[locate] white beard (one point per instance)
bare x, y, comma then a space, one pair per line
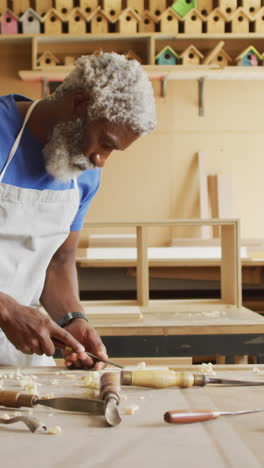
63, 153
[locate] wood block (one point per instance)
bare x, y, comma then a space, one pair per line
169, 21
99, 22
147, 23
193, 22
76, 21
128, 21
216, 22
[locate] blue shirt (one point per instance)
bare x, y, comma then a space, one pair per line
27, 169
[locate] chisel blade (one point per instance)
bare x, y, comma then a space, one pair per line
112, 415
81, 405
232, 382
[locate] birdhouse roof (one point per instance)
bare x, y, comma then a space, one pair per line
164, 50
102, 13
148, 14
192, 48
48, 54
129, 11
53, 12
255, 15
248, 50
31, 12
77, 11
218, 11
170, 11
193, 11
240, 12
9, 13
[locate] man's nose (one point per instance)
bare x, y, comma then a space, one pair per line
99, 159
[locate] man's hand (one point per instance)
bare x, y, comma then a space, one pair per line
92, 342
30, 331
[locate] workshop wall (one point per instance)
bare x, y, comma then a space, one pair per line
157, 177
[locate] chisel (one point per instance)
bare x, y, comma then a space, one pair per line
109, 393
168, 378
184, 417
82, 405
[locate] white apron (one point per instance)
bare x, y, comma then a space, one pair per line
33, 224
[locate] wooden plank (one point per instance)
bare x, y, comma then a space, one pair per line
142, 266
231, 268
206, 231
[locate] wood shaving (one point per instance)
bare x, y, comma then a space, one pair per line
141, 366
131, 409
207, 368
54, 430
17, 413
5, 416
91, 380
47, 396
258, 371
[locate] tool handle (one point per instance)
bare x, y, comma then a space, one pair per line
157, 379
110, 386
16, 399
183, 417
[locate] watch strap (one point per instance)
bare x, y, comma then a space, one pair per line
67, 318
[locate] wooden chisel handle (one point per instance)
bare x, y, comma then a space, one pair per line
183, 417
110, 386
161, 379
16, 399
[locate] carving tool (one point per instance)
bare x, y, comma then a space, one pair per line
184, 417
168, 378
82, 405
109, 393
60, 345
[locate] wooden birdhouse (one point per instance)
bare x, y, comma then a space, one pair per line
251, 6
112, 8
191, 56
3, 6
53, 22
30, 21
193, 22
217, 56
216, 22
182, 7
167, 56
43, 6
157, 7
77, 21
240, 21
88, 6
227, 6
99, 22
9, 22
147, 23
249, 57
128, 21
205, 6
20, 7
64, 7
137, 5
169, 21
131, 55
47, 59
259, 21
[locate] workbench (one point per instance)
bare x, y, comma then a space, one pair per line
142, 439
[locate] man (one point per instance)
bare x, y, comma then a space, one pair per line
51, 155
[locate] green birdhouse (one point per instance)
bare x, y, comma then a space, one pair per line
167, 56
183, 6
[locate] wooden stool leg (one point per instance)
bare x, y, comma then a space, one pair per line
240, 359
220, 359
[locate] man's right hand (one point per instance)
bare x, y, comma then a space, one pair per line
30, 331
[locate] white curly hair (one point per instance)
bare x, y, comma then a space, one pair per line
119, 90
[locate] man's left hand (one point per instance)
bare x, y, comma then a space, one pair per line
89, 338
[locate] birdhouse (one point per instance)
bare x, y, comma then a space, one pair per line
205, 6
30, 21
216, 22
221, 58
47, 59
20, 7
99, 22
88, 6
182, 7
227, 6
147, 23
137, 5
131, 55
3, 6
157, 7
169, 21
9, 22
251, 7
64, 7
259, 21
249, 57
69, 60
167, 56
193, 22
53, 22
128, 21
43, 6
191, 56
240, 21
112, 8
76, 21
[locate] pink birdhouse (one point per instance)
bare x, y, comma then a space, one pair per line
9, 23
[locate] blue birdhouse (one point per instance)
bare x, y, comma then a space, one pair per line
167, 56
249, 57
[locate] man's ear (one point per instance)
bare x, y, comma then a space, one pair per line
79, 104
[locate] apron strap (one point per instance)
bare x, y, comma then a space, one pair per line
18, 138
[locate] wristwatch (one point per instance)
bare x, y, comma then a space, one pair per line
67, 318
